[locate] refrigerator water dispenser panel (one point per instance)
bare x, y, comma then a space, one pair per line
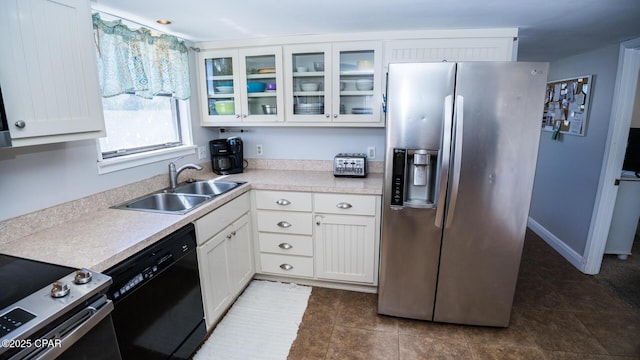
414, 178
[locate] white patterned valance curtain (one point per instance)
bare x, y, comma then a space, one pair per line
136, 61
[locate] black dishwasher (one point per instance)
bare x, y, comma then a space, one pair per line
158, 302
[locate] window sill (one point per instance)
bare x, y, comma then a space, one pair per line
134, 160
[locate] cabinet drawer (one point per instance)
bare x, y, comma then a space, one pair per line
286, 244
285, 222
287, 265
283, 200
211, 224
344, 204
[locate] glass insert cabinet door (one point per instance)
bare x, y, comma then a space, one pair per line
242, 85
333, 82
307, 71
262, 99
223, 92
357, 83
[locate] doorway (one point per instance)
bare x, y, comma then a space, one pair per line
621, 115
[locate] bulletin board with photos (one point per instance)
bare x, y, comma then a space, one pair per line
566, 105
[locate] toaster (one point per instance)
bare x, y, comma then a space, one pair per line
350, 165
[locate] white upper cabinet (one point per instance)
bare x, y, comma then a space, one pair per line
333, 80
334, 83
241, 86
48, 71
357, 82
262, 96
307, 73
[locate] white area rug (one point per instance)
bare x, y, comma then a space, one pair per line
262, 324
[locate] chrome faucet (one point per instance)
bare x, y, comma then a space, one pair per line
173, 173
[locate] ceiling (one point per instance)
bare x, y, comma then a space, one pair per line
548, 29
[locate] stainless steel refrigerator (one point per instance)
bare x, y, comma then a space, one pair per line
461, 151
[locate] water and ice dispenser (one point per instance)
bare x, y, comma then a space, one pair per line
414, 177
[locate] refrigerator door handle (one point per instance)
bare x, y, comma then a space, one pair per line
457, 158
446, 152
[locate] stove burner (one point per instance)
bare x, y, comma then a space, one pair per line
22, 277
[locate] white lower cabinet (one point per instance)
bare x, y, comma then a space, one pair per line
328, 237
285, 233
347, 237
345, 248
225, 256
214, 277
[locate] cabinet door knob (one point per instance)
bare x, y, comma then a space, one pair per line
228, 236
233, 233
286, 267
328, 115
335, 116
284, 224
343, 205
283, 202
20, 124
285, 246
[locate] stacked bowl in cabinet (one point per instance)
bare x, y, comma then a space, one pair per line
285, 232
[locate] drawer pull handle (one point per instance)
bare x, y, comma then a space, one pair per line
286, 267
285, 246
283, 202
284, 224
343, 205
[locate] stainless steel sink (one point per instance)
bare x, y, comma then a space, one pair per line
167, 202
206, 187
185, 197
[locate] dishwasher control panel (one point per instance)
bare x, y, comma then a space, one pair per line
151, 262
138, 279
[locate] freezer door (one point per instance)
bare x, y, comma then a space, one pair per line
411, 236
409, 263
498, 109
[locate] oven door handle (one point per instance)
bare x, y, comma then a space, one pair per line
71, 330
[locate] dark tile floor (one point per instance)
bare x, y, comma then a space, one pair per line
558, 313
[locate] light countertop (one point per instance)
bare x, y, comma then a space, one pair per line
99, 239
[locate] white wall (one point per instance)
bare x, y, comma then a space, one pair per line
568, 170
310, 143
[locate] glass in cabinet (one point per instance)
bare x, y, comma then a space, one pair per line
357, 82
241, 85
262, 99
221, 90
307, 72
333, 83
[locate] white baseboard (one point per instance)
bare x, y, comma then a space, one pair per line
558, 245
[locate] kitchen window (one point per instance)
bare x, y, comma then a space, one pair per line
144, 80
141, 131
136, 125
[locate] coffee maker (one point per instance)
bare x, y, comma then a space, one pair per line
226, 155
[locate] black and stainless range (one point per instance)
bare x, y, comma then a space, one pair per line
49, 311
